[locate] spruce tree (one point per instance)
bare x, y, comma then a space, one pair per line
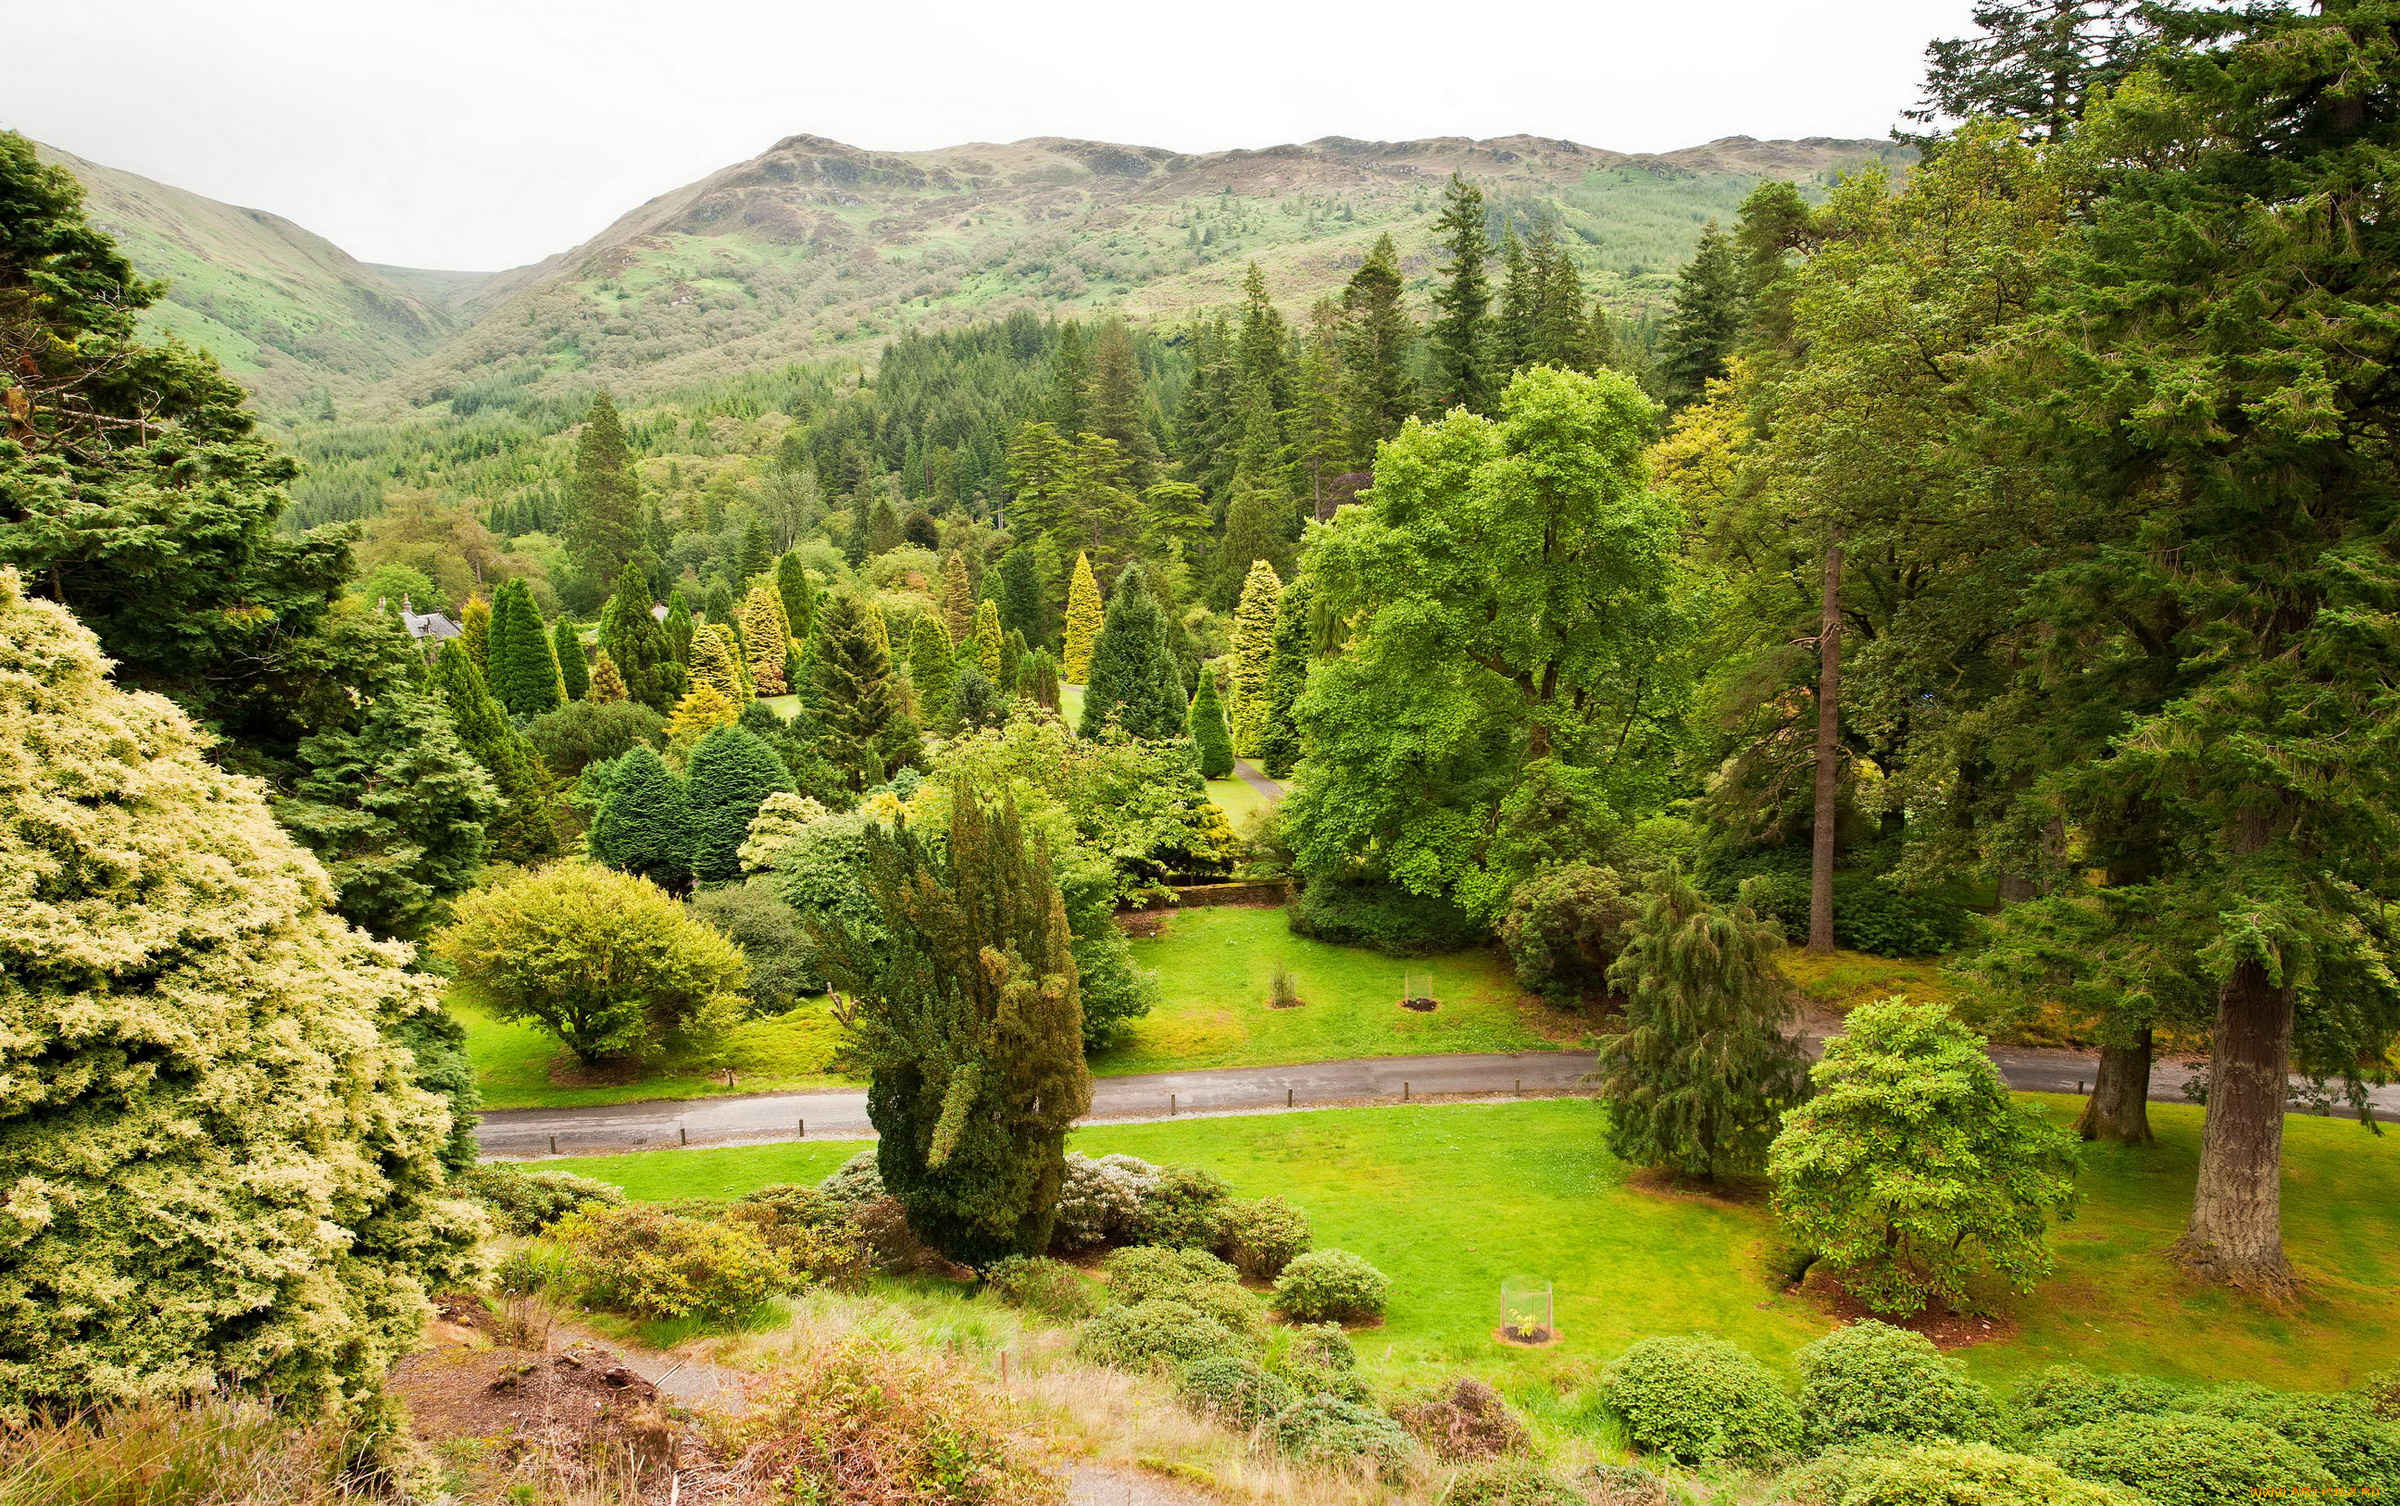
958, 598
1120, 406
635, 641
730, 774
1253, 653
644, 824
1703, 1072
1020, 595
1705, 320
679, 625
1461, 333
1134, 682
932, 669
799, 595
974, 702
968, 1016
607, 684
1287, 676
1084, 617
522, 831
987, 640
1205, 725
1561, 333
868, 734
2037, 62
1070, 383
1379, 389
757, 558
1520, 299
765, 639
574, 671
605, 525
883, 528
524, 672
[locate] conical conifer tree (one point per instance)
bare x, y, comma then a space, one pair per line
958, 598
714, 664
703, 709
679, 626
799, 596
1084, 617
1703, 1072
988, 641
633, 638
604, 506
932, 669
607, 684
1378, 340
1461, 333
766, 637
1253, 650
1705, 320
868, 734
1287, 676
574, 671
1206, 726
523, 831
475, 631
1512, 332
730, 774
1134, 682
524, 672
644, 826
1020, 596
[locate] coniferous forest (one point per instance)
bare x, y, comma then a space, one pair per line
1768, 767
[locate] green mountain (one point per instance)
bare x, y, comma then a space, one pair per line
812, 244
290, 313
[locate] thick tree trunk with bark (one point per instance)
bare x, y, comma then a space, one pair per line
1829, 736
2119, 1109
2236, 1233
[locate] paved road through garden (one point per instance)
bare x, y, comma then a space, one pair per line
841, 1115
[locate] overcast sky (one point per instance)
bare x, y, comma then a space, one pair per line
479, 134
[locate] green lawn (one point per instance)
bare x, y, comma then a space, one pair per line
514, 1061
1215, 973
1236, 799
785, 706
1451, 1200
1070, 703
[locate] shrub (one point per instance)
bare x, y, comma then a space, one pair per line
1331, 1286
1381, 916
861, 1423
1184, 1209
650, 1263
1038, 1284
783, 962
1142, 1271
1564, 928
1874, 914
1973, 1474
1466, 1421
795, 1204
1873, 1379
1331, 1430
1320, 1360
2381, 1393
1230, 1305
582, 733
208, 1451
1263, 1234
1153, 1334
1621, 1485
883, 1224
2359, 1449
857, 1180
1700, 1400
527, 1202
1511, 1482
1100, 1200
2181, 1459
818, 1244
2068, 1396
1235, 1391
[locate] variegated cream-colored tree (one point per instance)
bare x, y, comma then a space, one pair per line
216, 1169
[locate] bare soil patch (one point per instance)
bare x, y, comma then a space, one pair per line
1948, 1328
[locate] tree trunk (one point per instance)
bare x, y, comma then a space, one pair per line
1829, 729
2236, 1233
2119, 1109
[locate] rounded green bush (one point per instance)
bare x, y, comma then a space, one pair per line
856, 1181
1184, 1209
1237, 1392
2068, 1396
2184, 1459
795, 1204
2381, 1393
527, 1202
1320, 1358
1331, 1286
650, 1263
2360, 1450
1700, 1400
1155, 1333
1141, 1271
1263, 1234
1873, 1379
1324, 1429
1968, 1474
1039, 1284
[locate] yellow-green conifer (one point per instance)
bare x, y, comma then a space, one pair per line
1084, 616
1253, 655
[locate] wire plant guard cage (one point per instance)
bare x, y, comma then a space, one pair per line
1525, 1311
1416, 992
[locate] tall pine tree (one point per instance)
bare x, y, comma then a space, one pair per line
1461, 333
605, 525
1705, 321
1134, 682
1379, 388
637, 644
868, 734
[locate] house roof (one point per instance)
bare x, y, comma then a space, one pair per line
430, 626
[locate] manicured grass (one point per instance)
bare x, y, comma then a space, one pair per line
1236, 799
515, 1062
1215, 973
785, 706
1840, 981
1070, 703
1452, 1200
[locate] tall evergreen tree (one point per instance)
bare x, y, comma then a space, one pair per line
799, 595
2037, 62
958, 597
1120, 407
1461, 333
1705, 321
475, 631
605, 525
636, 643
1212, 741
987, 640
644, 824
1084, 617
1559, 333
1520, 300
730, 774
679, 625
883, 528
523, 830
1703, 1072
766, 638
1134, 682
524, 671
1379, 389
1287, 676
1070, 410
757, 558
968, 1015
1020, 595
932, 669
607, 684
868, 734
574, 670
1253, 651
716, 664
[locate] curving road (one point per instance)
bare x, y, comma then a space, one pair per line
770, 1117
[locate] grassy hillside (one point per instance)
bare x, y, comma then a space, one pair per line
289, 313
